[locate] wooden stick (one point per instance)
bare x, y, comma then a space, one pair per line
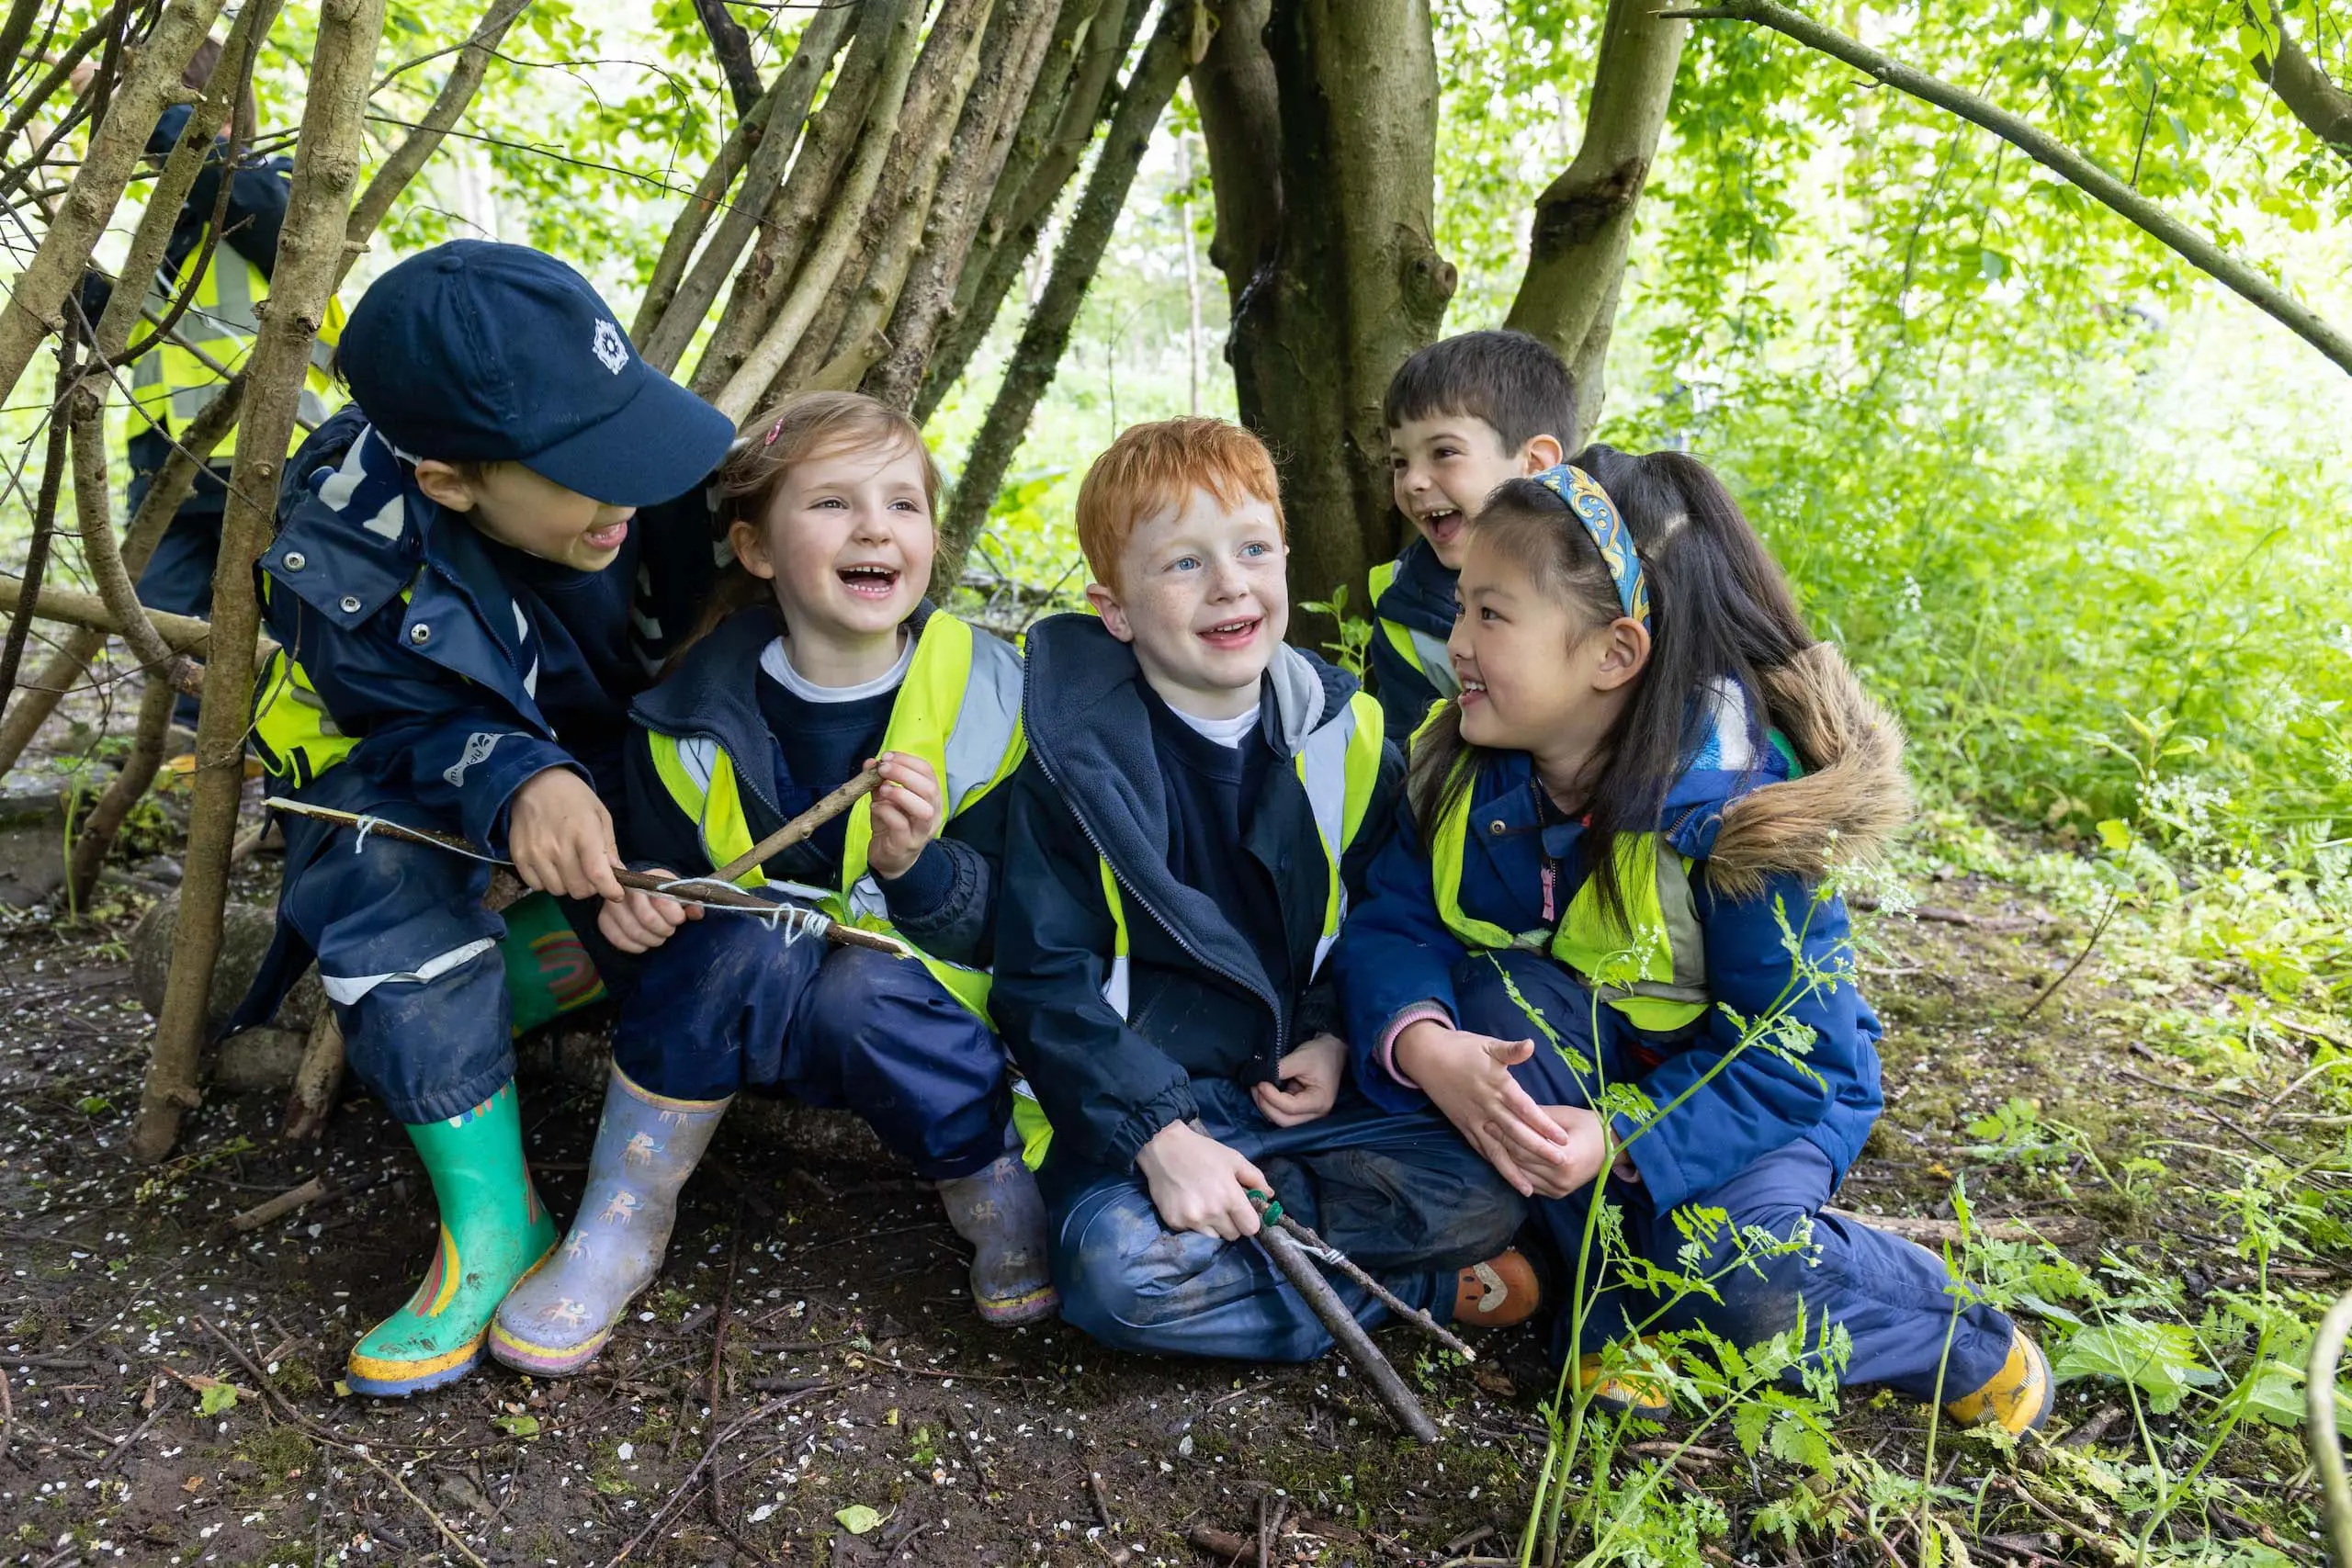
866, 782
318, 1080
1324, 1303
1380, 1292
707, 891
277, 1207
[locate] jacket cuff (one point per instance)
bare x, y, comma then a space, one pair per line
1653, 1157
1175, 1104
1428, 1011
929, 882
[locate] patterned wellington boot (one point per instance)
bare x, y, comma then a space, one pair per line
999, 1210
560, 1316
494, 1228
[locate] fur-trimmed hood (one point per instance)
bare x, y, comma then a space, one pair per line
1842, 809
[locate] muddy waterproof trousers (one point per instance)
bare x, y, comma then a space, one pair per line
1894, 1299
1403, 1195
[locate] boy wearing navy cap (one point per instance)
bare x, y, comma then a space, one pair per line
467, 599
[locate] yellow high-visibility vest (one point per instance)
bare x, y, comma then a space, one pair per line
170, 384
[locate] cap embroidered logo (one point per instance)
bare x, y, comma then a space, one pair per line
611, 348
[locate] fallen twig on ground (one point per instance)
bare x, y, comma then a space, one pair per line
285, 1203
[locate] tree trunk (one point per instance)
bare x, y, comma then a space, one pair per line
1047, 336
1584, 220
2325, 108
1333, 277
310, 259
100, 830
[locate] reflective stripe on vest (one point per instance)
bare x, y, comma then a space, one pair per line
1415, 648
1338, 767
1656, 972
171, 383
958, 709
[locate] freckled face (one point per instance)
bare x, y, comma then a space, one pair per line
1203, 599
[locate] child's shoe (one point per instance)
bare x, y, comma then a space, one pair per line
494, 1228
998, 1210
646, 1145
1627, 1389
2016, 1398
1498, 1294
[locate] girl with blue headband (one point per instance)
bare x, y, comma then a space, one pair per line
1604, 941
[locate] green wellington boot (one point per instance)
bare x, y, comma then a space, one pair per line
494, 1230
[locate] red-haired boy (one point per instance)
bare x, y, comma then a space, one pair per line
1198, 801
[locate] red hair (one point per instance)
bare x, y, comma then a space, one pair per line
1151, 469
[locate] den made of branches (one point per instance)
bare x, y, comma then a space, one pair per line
887, 187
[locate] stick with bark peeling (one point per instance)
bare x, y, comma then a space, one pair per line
1410, 1314
865, 783
706, 891
1305, 1277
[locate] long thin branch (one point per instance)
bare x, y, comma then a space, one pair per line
456, 92
2110, 192
53, 471
103, 824
1079, 255
312, 252
733, 47
85, 412
69, 606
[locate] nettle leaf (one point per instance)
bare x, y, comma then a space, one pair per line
2158, 1359
216, 1398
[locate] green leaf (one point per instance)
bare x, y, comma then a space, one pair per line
2158, 1359
2115, 833
857, 1518
517, 1426
216, 1398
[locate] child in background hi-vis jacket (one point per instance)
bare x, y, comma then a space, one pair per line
822, 653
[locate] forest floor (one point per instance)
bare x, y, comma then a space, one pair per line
852, 1376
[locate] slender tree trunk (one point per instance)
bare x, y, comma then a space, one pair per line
733, 47
103, 825
449, 106
1330, 264
310, 259
1047, 336
1584, 220
36, 295
2325, 108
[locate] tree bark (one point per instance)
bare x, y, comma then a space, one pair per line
686, 228
38, 294
52, 472
310, 254
1584, 220
975, 165
865, 285
749, 384
790, 216
2325, 108
86, 414
2193, 247
1039, 166
69, 606
733, 47
1047, 336
1335, 280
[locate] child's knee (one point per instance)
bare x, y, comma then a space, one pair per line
1124, 1276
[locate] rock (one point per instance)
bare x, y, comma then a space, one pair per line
245, 930
32, 846
258, 1060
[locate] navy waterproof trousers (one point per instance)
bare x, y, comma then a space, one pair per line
1402, 1195
1894, 1299
726, 1004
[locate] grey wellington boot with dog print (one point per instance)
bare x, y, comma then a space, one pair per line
559, 1315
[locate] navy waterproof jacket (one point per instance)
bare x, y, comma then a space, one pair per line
1760, 842
439, 687
1199, 1002
945, 906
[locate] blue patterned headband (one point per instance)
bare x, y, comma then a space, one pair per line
1598, 515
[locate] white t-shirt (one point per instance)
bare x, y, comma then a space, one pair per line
776, 664
1226, 732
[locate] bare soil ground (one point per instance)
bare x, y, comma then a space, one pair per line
809, 1350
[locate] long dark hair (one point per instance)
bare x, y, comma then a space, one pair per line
1720, 610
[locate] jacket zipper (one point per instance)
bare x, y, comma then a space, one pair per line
1282, 1030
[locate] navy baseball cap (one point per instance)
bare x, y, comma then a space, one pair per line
475, 351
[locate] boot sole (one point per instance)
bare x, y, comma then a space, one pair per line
387, 1381
540, 1361
1034, 1307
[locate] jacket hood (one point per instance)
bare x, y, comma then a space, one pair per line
1421, 593
1847, 805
